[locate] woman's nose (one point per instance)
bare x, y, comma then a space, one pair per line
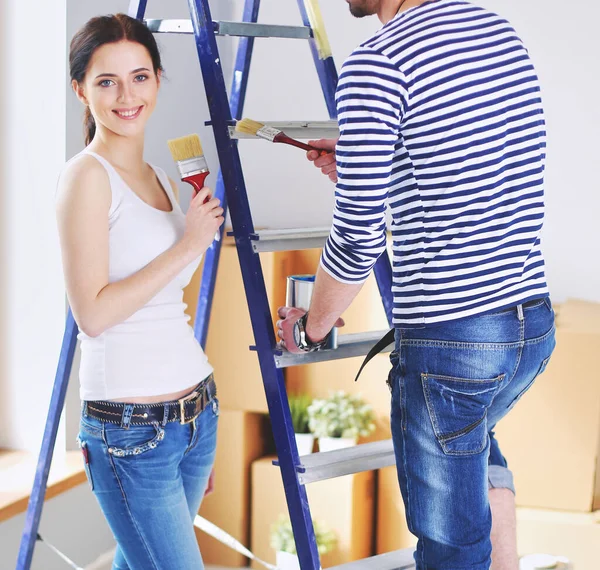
125, 93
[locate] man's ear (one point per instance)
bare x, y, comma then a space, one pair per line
78, 89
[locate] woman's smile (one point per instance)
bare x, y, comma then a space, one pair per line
128, 114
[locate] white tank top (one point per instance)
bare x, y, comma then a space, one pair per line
154, 351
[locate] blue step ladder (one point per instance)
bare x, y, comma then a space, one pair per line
296, 471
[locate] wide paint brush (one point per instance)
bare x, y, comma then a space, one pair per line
193, 168
187, 153
254, 128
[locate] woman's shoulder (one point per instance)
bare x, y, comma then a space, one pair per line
84, 178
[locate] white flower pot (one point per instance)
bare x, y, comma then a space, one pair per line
332, 443
287, 561
305, 443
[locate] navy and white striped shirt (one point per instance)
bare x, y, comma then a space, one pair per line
441, 120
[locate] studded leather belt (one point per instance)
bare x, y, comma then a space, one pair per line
185, 410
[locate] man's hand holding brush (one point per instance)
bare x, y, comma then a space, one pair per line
327, 162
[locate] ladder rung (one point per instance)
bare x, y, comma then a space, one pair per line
349, 345
355, 459
243, 29
297, 130
290, 239
398, 560
251, 30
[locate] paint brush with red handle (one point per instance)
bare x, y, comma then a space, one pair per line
193, 168
254, 128
187, 153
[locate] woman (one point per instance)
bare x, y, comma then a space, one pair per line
149, 415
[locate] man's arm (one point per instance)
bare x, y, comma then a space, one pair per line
371, 101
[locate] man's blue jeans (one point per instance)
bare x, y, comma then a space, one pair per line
451, 384
151, 492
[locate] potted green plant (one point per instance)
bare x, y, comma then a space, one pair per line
339, 420
305, 440
282, 541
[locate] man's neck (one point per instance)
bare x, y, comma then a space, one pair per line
390, 8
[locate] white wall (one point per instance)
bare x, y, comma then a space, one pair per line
33, 141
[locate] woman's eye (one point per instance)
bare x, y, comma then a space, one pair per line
140, 78
105, 83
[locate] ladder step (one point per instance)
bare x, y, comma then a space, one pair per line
355, 459
289, 239
297, 130
349, 345
242, 29
399, 560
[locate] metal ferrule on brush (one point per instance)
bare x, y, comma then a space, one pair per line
192, 166
268, 133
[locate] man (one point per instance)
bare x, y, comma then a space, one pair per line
441, 122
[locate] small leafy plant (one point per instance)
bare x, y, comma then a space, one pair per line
341, 415
299, 408
282, 537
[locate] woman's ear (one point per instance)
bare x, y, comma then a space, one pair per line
158, 77
78, 89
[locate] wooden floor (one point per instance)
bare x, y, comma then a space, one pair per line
17, 471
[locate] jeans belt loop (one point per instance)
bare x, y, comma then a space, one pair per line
520, 312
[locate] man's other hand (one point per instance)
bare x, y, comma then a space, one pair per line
285, 328
326, 163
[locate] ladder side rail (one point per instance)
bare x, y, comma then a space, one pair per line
239, 85
253, 280
384, 278
326, 70
137, 9
57, 402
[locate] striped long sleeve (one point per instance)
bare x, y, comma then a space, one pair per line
370, 101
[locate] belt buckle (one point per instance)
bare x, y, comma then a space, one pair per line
182, 402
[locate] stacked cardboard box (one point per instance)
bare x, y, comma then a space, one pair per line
575, 536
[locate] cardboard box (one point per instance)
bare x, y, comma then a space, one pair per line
573, 535
346, 505
551, 439
392, 530
365, 314
230, 334
242, 438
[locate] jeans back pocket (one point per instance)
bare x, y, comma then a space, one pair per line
458, 409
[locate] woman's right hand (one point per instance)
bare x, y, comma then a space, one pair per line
203, 219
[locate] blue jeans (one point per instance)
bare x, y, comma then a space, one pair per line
451, 384
151, 492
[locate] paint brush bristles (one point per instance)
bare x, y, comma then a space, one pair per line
185, 148
249, 127
187, 153
260, 130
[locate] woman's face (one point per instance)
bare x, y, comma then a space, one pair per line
120, 87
